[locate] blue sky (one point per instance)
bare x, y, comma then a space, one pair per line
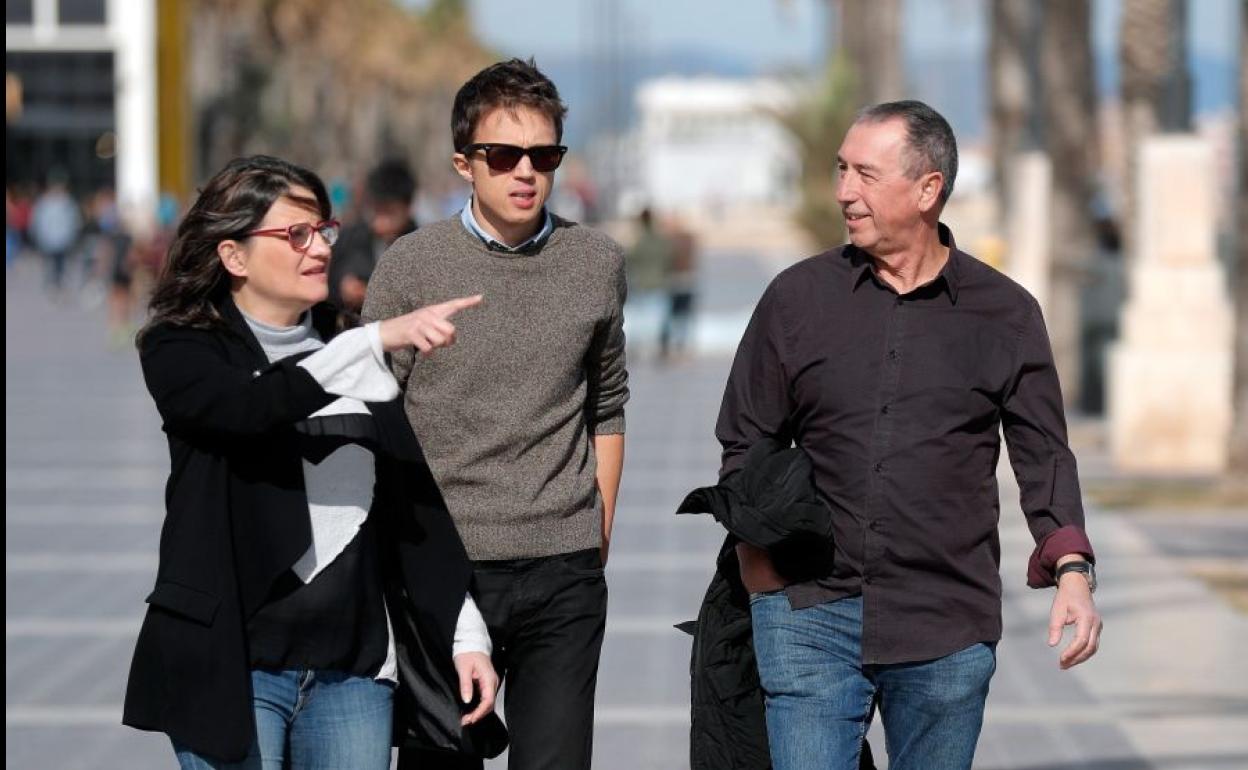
777, 33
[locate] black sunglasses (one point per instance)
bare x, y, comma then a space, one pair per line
505, 157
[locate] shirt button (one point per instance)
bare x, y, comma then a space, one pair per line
884, 409
892, 354
879, 468
900, 301
874, 526
866, 579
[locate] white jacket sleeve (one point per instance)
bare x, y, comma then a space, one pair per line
353, 365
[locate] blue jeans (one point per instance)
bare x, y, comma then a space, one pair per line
819, 695
312, 720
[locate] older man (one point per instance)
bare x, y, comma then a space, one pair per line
894, 361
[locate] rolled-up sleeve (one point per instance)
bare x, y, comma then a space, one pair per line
757, 399
606, 369
1034, 424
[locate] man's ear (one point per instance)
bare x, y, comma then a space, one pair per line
929, 190
233, 258
462, 166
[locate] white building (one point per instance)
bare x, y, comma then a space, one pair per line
81, 79
710, 143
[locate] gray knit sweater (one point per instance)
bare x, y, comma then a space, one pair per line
505, 414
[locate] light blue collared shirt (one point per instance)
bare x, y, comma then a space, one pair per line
470, 224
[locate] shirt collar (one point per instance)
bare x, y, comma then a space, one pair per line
864, 267
471, 225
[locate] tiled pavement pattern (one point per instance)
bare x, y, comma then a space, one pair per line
85, 463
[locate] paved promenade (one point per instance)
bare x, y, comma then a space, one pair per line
85, 463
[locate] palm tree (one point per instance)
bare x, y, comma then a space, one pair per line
1150, 53
818, 123
1239, 430
1068, 104
869, 36
334, 86
1012, 82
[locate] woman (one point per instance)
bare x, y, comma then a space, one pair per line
307, 565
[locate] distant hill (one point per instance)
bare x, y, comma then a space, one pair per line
955, 84
585, 83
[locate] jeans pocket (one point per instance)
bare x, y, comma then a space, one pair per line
758, 596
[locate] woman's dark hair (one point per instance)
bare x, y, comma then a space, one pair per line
507, 84
193, 283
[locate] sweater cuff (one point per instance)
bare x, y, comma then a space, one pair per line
471, 633
611, 425
1058, 543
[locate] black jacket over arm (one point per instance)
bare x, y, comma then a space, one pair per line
770, 502
237, 519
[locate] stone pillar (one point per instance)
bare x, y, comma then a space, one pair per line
1170, 371
1028, 259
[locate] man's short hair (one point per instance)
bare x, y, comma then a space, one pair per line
929, 138
508, 84
391, 180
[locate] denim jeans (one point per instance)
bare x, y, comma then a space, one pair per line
312, 720
819, 695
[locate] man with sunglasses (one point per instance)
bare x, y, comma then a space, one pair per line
523, 424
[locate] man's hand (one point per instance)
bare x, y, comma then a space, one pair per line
1073, 605
609, 451
758, 574
476, 667
428, 328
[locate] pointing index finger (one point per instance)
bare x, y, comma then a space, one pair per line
453, 306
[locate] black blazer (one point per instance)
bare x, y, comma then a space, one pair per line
237, 519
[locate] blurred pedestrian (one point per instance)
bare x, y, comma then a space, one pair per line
54, 227
389, 194
94, 243
12, 235
111, 249
895, 363
649, 264
682, 279
22, 197
524, 419
307, 563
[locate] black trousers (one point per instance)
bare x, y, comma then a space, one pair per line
546, 618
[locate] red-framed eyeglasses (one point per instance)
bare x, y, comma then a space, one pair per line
300, 234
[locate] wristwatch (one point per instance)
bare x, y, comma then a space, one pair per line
1083, 567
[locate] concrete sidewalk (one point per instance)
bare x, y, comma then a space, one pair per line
85, 463
1168, 689
1166, 692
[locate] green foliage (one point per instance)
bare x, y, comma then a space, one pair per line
818, 122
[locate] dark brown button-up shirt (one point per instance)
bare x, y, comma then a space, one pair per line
900, 401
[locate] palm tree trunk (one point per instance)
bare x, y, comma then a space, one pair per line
870, 35
1012, 82
1070, 129
1239, 429
1149, 54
